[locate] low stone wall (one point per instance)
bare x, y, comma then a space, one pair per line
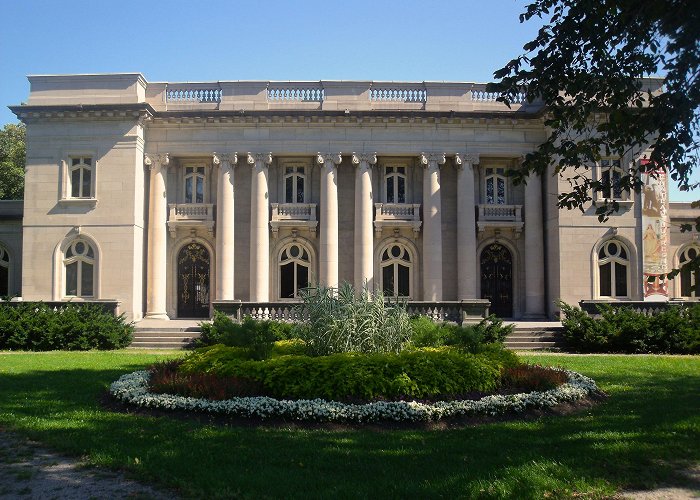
108, 306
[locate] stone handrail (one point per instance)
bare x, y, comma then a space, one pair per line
639, 306
191, 211
192, 93
495, 212
463, 311
295, 92
397, 92
293, 211
397, 211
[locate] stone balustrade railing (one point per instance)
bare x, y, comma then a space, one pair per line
464, 311
293, 211
295, 92
640, 306
189, 211
397, 211
398, 92
490, 212
192, 93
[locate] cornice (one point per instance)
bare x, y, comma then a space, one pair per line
137, 111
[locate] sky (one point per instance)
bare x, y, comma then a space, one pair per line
210, 40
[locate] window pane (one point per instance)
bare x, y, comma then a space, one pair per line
188, 190
623, 253
4, 281
75, 183
390, 189
617, 188
86, 280
289, 190
489, 190
87, 161
75, 161
501, 191
605, 180
403, 280
402, 190
300, 189
72, 279
200, 190
388, 280
620, 280
685, 281
605, 277
287, 281
302, 277
90, 253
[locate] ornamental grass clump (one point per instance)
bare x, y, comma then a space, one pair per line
345, 320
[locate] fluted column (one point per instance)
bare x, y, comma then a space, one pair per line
432, 226
466, 226
259, 228
225, 226
364, 232
534, 249
157, 238
328, 262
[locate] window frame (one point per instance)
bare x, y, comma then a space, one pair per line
495, 175
397, 176
610, 169
298, 171
394, 262
67, 169
194, 175
614, 260
80, 259
297, 261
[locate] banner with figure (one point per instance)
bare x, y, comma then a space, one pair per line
655, 233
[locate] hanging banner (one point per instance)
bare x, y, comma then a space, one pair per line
655, 233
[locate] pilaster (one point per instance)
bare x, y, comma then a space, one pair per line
364, 232
157, 237
432, 226
534, 249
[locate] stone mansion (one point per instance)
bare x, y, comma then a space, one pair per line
173, 197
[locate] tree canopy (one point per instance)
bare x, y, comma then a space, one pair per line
12, 161
588, 64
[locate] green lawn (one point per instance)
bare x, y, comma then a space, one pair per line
648, 429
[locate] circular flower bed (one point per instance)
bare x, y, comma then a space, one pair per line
133, 389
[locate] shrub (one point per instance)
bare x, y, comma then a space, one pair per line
35, 326
166, 379
533, 378
345, 321
674, 330
418, 373
470, 338
256, 337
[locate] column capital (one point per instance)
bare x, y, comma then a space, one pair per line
432, 159
369, 158
152, 160
221, 159
469, 158
256, 158
329, 158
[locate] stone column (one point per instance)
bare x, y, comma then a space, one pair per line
328, 262
259, 228
364, 232
466, 226
534, 249
157, 238
432, 226
225, 226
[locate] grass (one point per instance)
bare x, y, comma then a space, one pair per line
639, 438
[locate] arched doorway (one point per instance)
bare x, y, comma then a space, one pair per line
193, 281
497, 279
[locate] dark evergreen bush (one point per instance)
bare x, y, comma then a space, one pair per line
34, 326
675, 330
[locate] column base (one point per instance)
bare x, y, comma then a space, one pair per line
534, 317
156, 315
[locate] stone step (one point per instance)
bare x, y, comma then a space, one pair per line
531, 346
161, 333
167, 329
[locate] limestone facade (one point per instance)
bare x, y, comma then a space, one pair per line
168, 196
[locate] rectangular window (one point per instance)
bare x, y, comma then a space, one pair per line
80, 177
194, 184
611, 175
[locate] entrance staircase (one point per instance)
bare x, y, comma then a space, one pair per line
535, 336
165, 334
179, 333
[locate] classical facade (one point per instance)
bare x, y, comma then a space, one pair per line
168, 197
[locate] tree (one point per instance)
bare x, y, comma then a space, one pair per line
588, 64
12, 161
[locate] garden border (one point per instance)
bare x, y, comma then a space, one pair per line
132, 388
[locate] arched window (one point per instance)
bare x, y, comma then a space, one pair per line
4, 272
396, 267
496, 186
194, 184
294, 264
294, 184
395, 182
79, 265
690, 278
80, 175
613, 269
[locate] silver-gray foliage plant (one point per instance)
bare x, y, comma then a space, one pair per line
344, 320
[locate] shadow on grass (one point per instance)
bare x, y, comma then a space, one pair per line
639, 438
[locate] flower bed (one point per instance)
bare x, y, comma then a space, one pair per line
133, 388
